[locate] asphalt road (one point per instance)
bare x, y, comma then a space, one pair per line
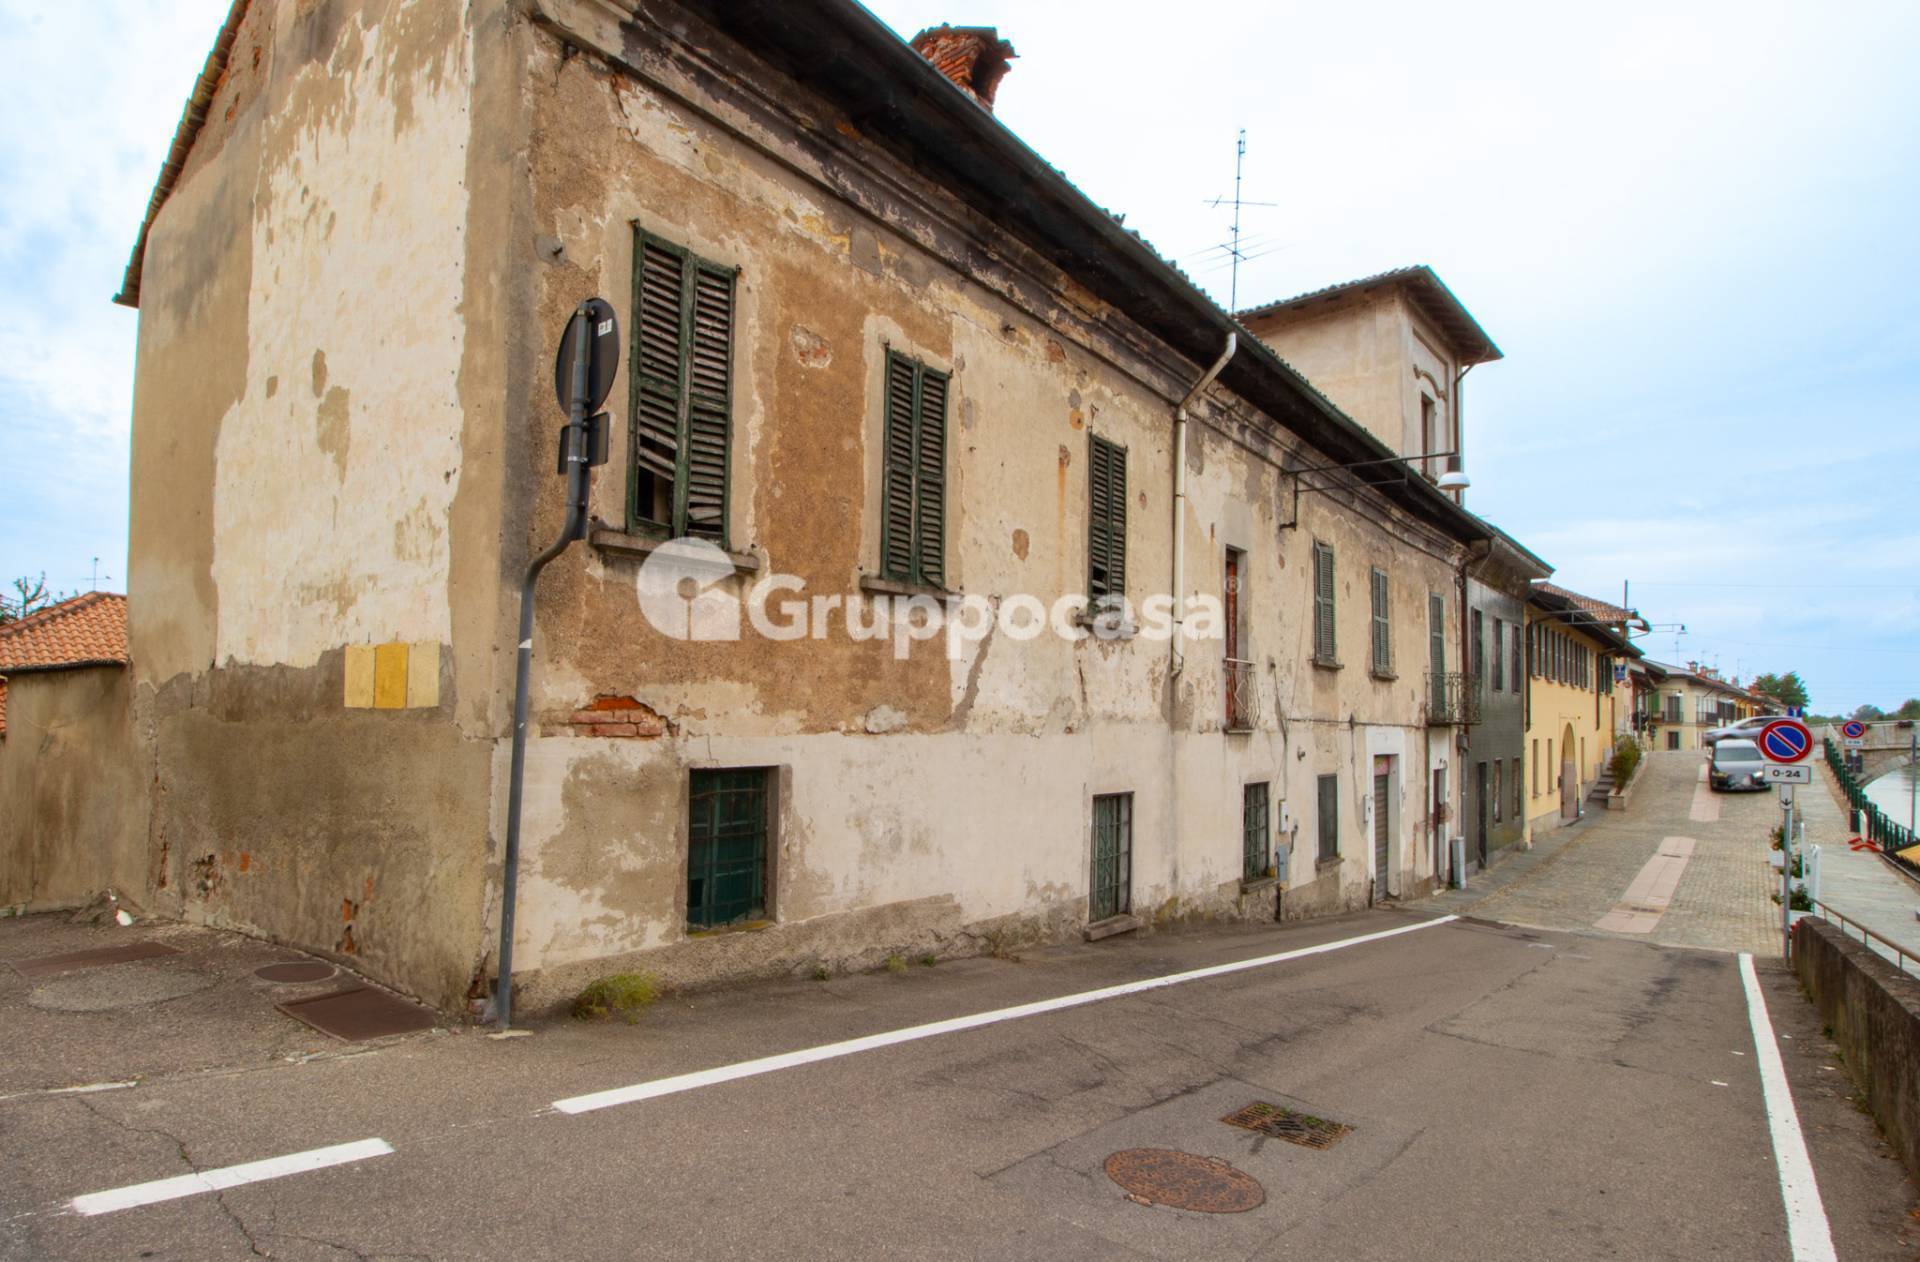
1512, 1094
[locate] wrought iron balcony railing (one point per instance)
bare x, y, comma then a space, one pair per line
1452, 697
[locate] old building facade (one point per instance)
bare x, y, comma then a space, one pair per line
886, 371
1499, 583
1573, 703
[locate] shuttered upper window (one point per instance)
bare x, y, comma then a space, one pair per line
1323, 642
681, 380
913, 523
1382, 626
1106, 518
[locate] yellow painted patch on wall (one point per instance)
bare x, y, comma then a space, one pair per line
390, 677
359, 690
423, 675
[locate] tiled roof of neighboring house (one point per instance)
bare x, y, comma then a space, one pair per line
1605, 611
1430, 295
89, 630
1566, 607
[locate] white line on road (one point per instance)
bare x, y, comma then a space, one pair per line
830, 1051
228, 1176
1807, 1231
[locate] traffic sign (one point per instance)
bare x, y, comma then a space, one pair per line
1796, 712
1777, 773
1785, 740
1853, 730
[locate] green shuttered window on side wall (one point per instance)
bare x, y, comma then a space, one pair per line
1323, 623
681, 384
1382, 625
1106, 518
913, 512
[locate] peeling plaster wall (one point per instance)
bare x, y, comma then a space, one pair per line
316, 474
923, 804
72, 798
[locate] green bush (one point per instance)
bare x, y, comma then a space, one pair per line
626, 993
1626, 757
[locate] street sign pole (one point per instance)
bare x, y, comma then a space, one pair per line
1785, 744
1786, 873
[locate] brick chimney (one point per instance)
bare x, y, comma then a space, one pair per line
975, 57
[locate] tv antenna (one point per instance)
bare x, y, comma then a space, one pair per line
1233, 248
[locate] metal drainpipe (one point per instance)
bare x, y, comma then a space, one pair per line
1180, 498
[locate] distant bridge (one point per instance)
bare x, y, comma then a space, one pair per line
1887, 746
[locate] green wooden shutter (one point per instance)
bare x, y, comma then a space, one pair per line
896, 520
709, 402
682, 387
1329, 817
1106, 518
1323, 622
659, 300
930, 481
1382, 628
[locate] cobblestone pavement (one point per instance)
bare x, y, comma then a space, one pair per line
1724, 896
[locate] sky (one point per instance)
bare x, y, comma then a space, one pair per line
1691, 228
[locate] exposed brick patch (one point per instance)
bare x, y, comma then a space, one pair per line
617, 717
974, 57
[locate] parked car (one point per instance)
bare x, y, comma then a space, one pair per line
1737, 764
1745, 729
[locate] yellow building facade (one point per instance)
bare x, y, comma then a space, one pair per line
1572, 707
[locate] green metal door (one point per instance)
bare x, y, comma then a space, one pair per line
1112, 883
727, 847
1254, 846
1381, 836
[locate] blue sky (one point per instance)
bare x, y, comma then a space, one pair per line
1690, 227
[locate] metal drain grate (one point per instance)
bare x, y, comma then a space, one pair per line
1296, 1128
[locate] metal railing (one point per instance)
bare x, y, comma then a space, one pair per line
1241, 695
1876, 826
1901, 958
1452, 697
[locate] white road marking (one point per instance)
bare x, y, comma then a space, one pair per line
832, 1051
1807, 1231
228, 1176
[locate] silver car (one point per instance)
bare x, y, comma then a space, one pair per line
1745, 729
1737, 764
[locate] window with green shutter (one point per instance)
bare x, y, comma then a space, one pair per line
681, 383
727, 827
1329, 821
1323, 622
913, 522
1382, 626
1256, 845
1437, 650
1499, 655
1106, 519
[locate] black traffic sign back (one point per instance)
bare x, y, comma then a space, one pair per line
596, 321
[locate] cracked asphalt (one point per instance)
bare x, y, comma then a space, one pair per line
1513, 1093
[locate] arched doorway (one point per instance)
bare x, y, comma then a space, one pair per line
1569, 776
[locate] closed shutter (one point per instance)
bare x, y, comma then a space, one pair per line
1382, 628
913, 532
709, 401
1499, 655
1323, 624
1107, 519
1329, 816
682, 387
659, 301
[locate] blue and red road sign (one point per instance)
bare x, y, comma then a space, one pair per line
1853, 730
1785, 740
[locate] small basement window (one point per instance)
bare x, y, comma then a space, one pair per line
729, 821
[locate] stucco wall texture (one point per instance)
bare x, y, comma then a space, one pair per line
343, 442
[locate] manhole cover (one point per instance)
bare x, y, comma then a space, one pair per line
1296, 1128
73, 961
1180, 1180
295, 971
359, 1012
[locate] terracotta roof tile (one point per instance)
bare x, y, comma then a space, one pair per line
1600, 609
89, 630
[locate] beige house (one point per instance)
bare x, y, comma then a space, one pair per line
1574, 702
1692, 699
885, 367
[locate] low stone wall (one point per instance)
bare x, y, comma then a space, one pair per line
1872, 1011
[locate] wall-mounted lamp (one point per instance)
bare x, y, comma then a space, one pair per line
1454, 479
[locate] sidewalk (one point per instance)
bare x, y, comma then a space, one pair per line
1858, 884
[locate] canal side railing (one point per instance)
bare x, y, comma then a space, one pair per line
1876, 826
1900, 957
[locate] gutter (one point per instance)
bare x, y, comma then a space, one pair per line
1180, 498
